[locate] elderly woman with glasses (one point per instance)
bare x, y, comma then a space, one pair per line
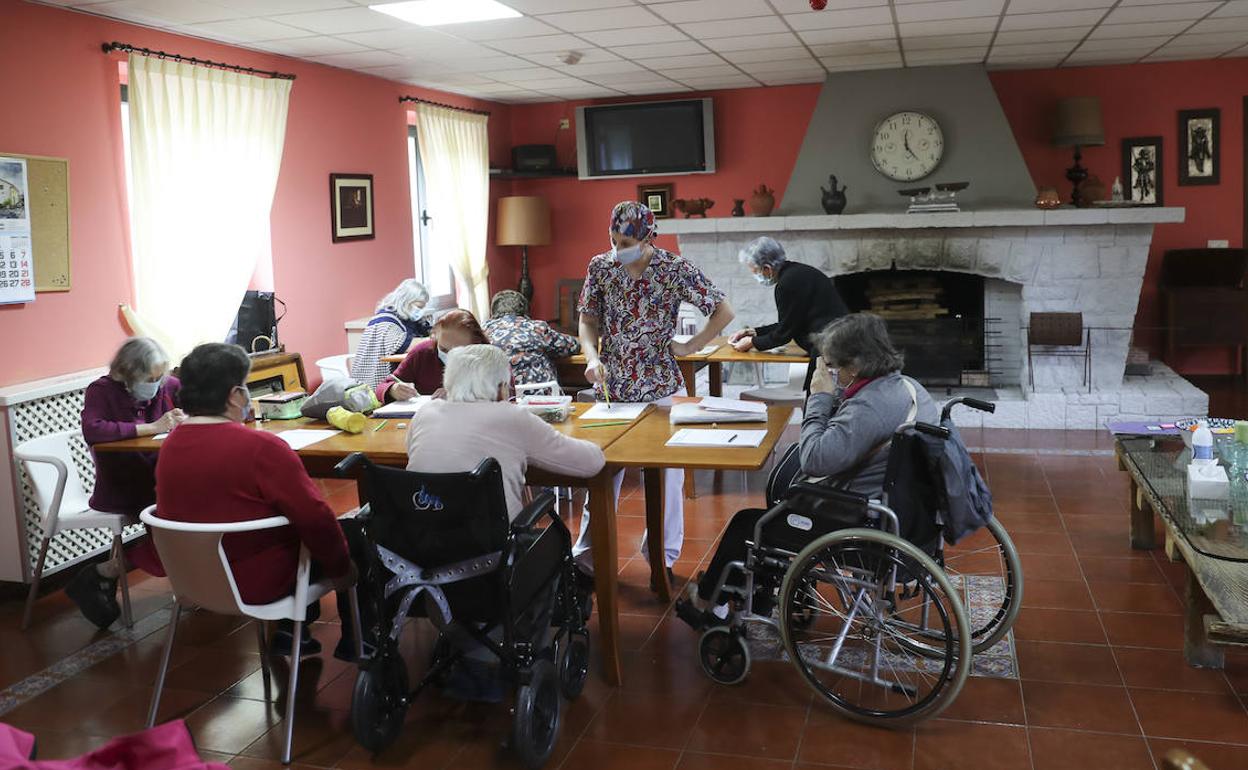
847, 426
400, 319
806, 301
532, 345
137, 397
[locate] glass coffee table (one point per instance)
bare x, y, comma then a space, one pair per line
1209, 536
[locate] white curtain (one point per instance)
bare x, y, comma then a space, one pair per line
206, 145
455, 154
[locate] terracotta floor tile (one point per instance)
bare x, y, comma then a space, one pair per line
772, 732
66, 744
694, 761
1067, 749
1167, 670
1137, 629
1113, 569
662, 673
598, 755
988, 700
1042, 542
321, 738
67, 705
1079, 707
1191, 716
1045, 625
775, 683
832, 740
1030, 522
1050, 566
1019, 485
1104, 544
230, 725
645, 720
1214, 755
1056, 594
1071, 503
437, 741
129, 715
1111, 525
1076, 663
1157, 598
1023, 503
213, 670
941, 744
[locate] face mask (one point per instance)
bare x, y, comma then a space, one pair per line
442, 355
145, 391
626, 256
764, 280
247, 413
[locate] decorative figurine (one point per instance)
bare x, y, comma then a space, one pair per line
738, 207
833, 198
693, 207
1116, 192
762, 201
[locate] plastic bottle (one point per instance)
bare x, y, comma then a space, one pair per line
1202, 443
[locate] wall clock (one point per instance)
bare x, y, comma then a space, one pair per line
907, 146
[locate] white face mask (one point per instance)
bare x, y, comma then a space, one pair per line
626, 256
146, 391
764, 279
442, 355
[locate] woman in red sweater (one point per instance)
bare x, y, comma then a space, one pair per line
421, 370
214, 468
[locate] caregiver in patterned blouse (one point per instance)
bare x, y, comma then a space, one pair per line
532, 345
628, 306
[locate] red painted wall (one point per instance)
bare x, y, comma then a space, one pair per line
62, 99
1143, 100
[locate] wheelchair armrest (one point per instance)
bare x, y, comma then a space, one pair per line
827, 493
527, 518
932, 430
343, 469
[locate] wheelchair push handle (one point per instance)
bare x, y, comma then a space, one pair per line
974, 403
932, 430
343, 469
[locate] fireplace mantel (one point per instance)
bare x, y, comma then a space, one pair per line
903, 221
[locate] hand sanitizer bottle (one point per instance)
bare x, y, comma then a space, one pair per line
1202, 443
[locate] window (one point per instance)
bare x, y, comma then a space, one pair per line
434, 272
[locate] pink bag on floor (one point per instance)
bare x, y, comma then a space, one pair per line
164, 747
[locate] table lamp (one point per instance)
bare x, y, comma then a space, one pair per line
1078, 125
524, 221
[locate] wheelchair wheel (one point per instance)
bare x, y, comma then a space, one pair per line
535, 726
574, 664
724, 655
379, 701
988, 575
866, 590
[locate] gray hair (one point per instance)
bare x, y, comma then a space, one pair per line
135, 359
407, 300
475, 373
763, 252
508, 302
859, 341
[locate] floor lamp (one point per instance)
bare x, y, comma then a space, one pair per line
524, 221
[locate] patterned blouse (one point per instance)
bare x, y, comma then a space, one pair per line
532, 345
637, 320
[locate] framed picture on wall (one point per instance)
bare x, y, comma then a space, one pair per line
351, 207
1141, 170
658, 198
1200, 134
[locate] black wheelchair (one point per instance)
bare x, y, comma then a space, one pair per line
441, 546
878, 616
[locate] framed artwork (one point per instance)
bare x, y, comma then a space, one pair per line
1200, 135
1141, 170
658, 198
351, 207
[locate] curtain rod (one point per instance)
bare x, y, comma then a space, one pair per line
115, 46
440, 104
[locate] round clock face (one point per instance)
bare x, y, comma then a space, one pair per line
907, 146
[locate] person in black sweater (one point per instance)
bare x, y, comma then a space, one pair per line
806, 301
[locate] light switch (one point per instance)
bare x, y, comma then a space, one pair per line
1219, 244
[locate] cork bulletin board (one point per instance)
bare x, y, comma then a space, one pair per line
48, 182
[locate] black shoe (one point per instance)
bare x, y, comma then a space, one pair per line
95, 595
696, 618
671, 581
345, 650
284, 640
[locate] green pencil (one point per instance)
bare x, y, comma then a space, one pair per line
380, 425
607, 424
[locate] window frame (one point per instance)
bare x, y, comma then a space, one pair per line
424, 264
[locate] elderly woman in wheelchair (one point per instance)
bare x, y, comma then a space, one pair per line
848, 561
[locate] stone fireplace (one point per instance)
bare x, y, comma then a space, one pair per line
1086, 260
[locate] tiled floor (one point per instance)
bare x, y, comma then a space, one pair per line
1103, 683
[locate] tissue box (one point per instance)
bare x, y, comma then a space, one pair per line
1207, 482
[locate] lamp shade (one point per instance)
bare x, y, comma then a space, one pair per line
1079, 122
523, 220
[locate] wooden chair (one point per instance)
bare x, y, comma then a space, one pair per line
1204, 300
567, 294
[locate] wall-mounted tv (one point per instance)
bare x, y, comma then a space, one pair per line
645, 139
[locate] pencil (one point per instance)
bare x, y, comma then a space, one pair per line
380, 425
607, 424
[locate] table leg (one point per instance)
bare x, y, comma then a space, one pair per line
715, 371
1143, 537
690, 372
606, 570
652, 479
1196, 646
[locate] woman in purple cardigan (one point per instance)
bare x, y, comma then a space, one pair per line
136, 398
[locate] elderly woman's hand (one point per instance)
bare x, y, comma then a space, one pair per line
402, 391
744, 344
823, 380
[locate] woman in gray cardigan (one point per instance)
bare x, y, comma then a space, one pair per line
848, 423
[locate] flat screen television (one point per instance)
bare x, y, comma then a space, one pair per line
645, 139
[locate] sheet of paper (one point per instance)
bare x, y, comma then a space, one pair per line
616, 411
717, 404
303, 437
406, 408
728, 439
681, 337
160, 436
692, 413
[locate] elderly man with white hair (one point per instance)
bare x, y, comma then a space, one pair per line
806, 301
476, 421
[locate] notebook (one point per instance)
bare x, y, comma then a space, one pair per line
721, 438
712, 409
407, 408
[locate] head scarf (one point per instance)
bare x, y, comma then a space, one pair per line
634, 220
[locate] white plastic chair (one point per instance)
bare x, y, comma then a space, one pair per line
790, 394
64, 505
335, 367
201, 576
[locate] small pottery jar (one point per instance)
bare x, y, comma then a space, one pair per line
1047, 198
1093, 189
738, 207
762, 201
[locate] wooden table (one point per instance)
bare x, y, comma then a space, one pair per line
1216, 615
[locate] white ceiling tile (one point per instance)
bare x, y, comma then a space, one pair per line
644, 35
946, 55
553, 83
1168, 12
584, 70
656, 88
766, 54
1233, 8
948, 9
1023, 63
319, 45
878, 32
358, 59
1221, 24
829, 19
586, 92
1042, 6
655, 50
1012, 21
247, 30
589, 56
761, 25
980, 39
754, 42
482, 63
1033, 49
499, 29
863, 67
700, 10
533, 7
684, 74
1143, 29
271, 7
613, 19
1022, 36
855, 48
168, 12
520, 74
541, 43
1194, 51
792, 79
390, 39
1211, 38
785, 65
1123, 44
884, 59
342, 21
948, 27
803, 6
711, 84
693, 60
1095, 59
